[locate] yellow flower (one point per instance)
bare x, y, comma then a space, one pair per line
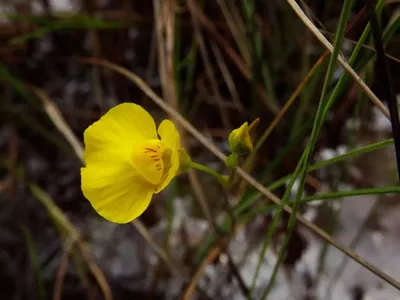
126, 162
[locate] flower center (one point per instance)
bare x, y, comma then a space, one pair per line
147, 158
152, 160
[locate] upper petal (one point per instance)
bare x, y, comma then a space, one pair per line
116, 191
173, 170
169, 135
116, 132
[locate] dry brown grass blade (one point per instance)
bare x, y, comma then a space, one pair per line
210, 74
236, 27
95, 270
210, 146
165, 24
227, 77
58, 287
202, 18
73, 236
59, 121
341, 60
240, 64
175, 269
212, 255
219, 247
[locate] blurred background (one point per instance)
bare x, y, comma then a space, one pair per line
219, 64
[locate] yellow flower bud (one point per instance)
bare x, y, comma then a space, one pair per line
240, 139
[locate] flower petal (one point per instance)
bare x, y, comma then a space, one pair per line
171, 172
169, 135
117, 131
116, 191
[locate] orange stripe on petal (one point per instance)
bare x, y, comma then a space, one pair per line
147, 160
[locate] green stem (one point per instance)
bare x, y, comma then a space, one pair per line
221, 178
